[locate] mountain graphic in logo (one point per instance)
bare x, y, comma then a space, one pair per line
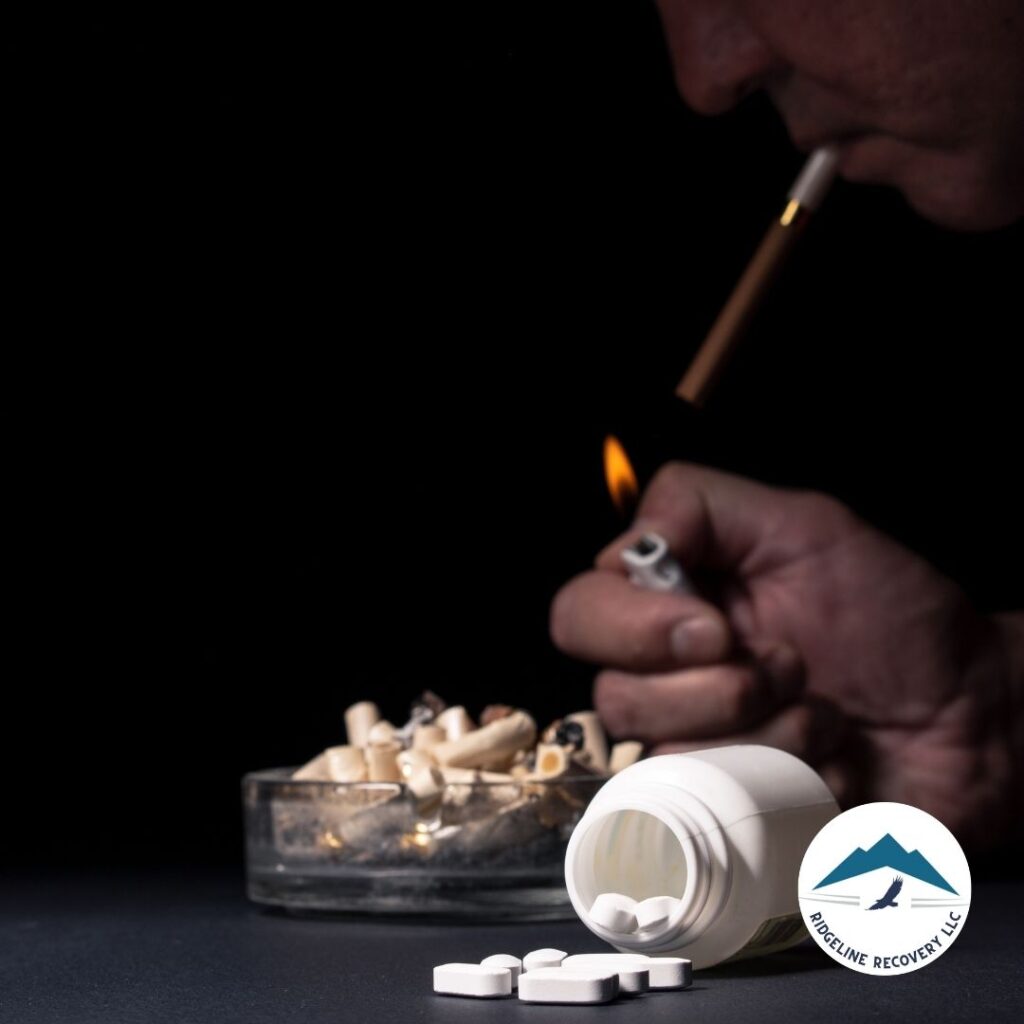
886, 853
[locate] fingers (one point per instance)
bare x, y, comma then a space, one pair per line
709, 519
603, 618
840, 778
698, 703
713, 520
812, 729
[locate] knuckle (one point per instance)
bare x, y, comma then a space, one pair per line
642, 635
672, 476
802, 724
563, 613
784, 666
823, 512
741, 694
613, 704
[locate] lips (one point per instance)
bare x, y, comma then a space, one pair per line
863, 156
839, 139
875, 160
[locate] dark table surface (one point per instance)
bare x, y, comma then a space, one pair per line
188, 948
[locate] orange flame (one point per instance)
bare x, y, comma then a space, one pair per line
618, 472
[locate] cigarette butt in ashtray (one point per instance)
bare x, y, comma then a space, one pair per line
359, 719
493, 712
335, 764
624, 754
426, 782
381, 733
652, 566
455, 722
488, 745
552, 761
410, 761
314, 770
346, 764
426, 736
594, 751
459, 776
382, 762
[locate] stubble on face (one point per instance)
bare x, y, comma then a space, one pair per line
928, 98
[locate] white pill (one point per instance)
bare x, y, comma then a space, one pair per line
655, 911
543, 958
472, 980
665, 971
633, 978
568, 985
615, 912
512, 963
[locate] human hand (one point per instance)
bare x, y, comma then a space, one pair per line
815, 633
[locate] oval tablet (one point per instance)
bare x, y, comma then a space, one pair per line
655, 911
543, 958
615, 912
472, 980
511, 963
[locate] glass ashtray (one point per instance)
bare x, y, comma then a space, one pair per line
476, 849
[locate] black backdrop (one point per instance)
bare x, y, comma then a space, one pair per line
323, 323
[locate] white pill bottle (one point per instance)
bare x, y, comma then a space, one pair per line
721, 830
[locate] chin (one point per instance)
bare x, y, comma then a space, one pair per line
970, 212
960, 193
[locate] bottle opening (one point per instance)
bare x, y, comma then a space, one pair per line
630, 852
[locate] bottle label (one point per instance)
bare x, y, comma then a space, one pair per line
774, 934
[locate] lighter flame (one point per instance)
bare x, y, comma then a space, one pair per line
619, 474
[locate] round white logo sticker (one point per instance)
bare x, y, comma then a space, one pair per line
885, 889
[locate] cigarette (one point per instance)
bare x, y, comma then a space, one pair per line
594, 751
411, 761
424, 710
624, 754
425, 783
552, 761
488, 745
493, 712
314, 771
804, 198
382, 762
652, 566
346, 764
359, 719
335, 764
455, 722
426, 736
381, 733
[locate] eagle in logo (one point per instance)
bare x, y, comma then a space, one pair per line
889, 899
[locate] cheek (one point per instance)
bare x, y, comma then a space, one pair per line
834, 43
880, 61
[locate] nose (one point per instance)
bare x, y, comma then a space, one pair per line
718, 56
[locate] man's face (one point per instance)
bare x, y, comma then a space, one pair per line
925, 95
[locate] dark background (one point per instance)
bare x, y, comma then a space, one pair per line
317, 328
